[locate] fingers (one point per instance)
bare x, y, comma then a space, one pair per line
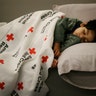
54, 64
57, 53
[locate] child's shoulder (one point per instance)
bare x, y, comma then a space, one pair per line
69, 20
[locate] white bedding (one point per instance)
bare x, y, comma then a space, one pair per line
26, 53
79, 57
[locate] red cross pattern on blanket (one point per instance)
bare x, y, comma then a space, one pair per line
32, 51
62, 16
1, 61
2, 85
31, 29
45, 38
44, 59
20, 86
10, 37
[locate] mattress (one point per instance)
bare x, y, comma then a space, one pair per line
85, 80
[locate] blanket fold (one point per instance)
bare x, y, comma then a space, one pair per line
26, 53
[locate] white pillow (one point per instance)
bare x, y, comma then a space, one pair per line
79, 57
84, 12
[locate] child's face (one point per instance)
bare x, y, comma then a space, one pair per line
84, 34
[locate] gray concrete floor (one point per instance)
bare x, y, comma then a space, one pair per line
58, 87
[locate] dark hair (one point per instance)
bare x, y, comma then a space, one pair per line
91, 25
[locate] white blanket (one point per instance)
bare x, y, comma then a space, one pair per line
26, 53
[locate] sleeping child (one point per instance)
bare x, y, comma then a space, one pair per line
70, 31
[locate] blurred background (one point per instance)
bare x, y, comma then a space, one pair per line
11, 9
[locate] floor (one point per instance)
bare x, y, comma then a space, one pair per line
59, 87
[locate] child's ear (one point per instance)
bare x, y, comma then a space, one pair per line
83, 24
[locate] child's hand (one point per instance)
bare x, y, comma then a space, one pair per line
55, 63
57, 49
